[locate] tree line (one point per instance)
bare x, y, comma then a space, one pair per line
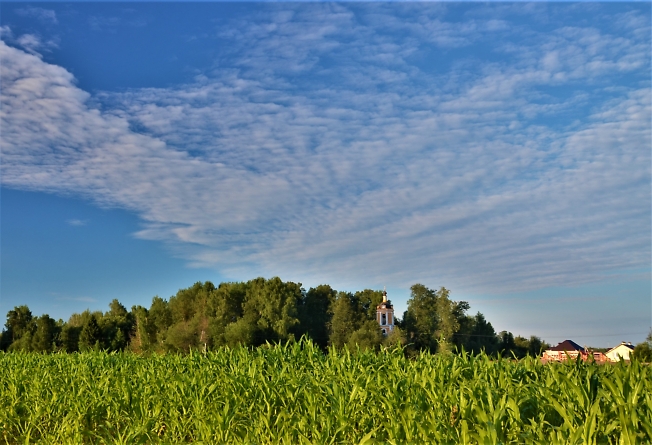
261, 310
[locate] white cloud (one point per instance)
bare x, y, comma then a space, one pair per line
367, 168
5, 33
77, 222
29, 42
44, 15
33, 44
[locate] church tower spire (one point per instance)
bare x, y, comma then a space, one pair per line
385, 314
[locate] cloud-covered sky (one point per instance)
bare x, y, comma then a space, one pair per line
500, 150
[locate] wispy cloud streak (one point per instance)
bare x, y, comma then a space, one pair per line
77, 222
324, 144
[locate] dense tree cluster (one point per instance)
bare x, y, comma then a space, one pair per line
643, 351
265, 310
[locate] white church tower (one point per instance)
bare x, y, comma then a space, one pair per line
385, 315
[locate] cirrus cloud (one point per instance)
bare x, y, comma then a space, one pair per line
320, 146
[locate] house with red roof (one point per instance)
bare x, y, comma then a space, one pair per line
564, 350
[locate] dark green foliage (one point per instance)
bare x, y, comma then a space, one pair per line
241, 333
259, 311
643, 351
24, 343
506, 343
160, 318
396, 338
116, 326
45, 335
190, 303
536, 346
250, 314
476, 335
19, 323
271, 305
186, 317
225, 307
344, 322
91, 335
365, 303
447, 321
316, 313
420, 319
182, 336
431, 319
69, 338
143, 335
368, 336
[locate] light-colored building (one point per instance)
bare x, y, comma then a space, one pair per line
385, 315
622, 350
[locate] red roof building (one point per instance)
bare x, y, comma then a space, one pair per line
564, 350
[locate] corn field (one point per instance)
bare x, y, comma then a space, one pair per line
296, 394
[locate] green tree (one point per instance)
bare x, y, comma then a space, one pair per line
143, 336
91, 335
462, 338
191, 301
19, 322
189, 309
160, 317
432, 319
69, 338
272, 305
316, 312
643, 351
241, 332
476, 335
536, 346
344, 321
116, 325
506, 344
421, 320
45, 334
24, 343
396, 337
225, 307
182, 336
365, 302
522, 346
447, 324
481, 337
368, 336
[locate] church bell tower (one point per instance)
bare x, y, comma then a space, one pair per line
385, 315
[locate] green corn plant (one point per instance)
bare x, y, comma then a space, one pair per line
294, 393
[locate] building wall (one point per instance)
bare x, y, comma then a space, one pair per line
389, 319
617, 352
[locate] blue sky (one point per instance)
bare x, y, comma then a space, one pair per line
500, 150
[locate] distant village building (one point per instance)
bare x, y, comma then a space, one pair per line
385, 315
622, 350
599, 357
564, 350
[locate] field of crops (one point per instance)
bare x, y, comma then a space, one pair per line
295, 394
